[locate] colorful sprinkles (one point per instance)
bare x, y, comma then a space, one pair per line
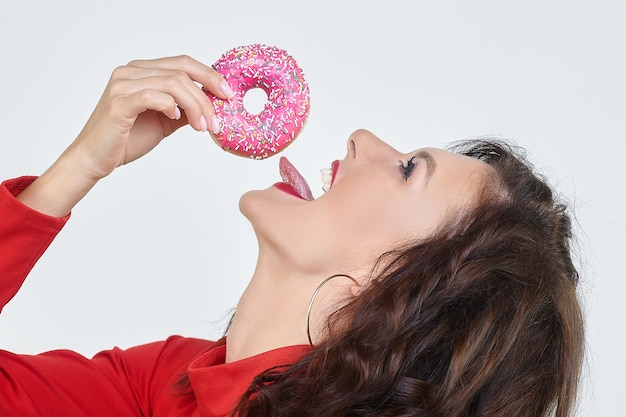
262, 135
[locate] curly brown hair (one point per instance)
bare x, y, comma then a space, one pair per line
480, 319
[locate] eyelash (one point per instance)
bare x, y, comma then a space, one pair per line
407, 169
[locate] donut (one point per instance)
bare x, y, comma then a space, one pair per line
273, 70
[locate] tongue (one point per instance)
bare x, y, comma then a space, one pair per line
293, 178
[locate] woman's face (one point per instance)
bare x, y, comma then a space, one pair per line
374, 205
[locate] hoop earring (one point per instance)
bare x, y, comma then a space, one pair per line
317, 290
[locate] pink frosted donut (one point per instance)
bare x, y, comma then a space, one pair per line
259, 136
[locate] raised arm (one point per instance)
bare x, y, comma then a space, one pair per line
144, 102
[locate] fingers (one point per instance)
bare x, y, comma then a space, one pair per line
166, 93
178, 77
148, 99
210, 79
206, 76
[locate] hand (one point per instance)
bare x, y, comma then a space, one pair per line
144, 102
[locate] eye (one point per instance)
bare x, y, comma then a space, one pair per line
407, 169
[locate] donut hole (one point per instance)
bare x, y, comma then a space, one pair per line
254, 100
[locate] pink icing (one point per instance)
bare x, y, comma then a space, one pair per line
259, 136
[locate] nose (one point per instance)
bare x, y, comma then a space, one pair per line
364, 145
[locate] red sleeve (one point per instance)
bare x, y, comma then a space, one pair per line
25, 234
134, 382
137, 382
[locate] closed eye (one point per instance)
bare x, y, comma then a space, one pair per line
407, 169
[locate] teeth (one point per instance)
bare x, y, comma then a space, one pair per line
327, 177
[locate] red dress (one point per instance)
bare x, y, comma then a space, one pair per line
133, 382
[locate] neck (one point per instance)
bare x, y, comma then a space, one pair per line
272, 311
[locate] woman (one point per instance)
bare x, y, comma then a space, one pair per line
431, 283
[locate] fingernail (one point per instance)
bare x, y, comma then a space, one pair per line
203, 125
215, 125
177, 114
228, 92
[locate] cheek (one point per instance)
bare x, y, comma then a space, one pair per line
402, 220
379, 222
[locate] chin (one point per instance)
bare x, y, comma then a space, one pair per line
277, 218
246, 202
270, 203
262, 206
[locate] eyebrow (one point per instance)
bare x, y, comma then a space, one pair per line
431, 165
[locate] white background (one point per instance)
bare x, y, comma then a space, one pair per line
160, 248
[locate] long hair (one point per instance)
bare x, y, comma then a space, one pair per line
480, 319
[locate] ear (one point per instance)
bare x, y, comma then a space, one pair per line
355, 290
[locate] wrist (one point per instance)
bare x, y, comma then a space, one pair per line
59, 188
